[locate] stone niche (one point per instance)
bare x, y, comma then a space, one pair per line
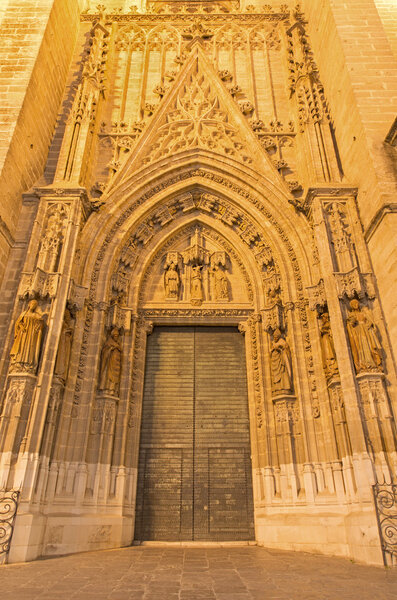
197, 270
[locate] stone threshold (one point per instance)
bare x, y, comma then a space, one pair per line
196, 544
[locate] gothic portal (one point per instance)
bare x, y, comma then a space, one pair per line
194, 347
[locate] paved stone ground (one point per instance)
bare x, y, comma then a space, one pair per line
158, 573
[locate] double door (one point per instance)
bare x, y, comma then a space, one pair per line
194, 478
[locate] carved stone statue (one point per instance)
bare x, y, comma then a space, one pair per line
65, 345
196, 286
281, 366
327, 347
364, 341
25, 351
341, 238
172, 282
52, 238
221, 285
110, 369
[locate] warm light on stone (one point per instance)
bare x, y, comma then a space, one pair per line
198, 268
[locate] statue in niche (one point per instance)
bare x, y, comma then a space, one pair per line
196, 285
364, 340
52, 239
327, 347
281, 365
172, 282
110, 368
25, 351
65, 346
221, 284
341, 238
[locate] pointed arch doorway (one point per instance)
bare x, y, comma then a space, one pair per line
194, 476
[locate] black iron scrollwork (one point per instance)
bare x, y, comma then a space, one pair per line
8, 509
385, 496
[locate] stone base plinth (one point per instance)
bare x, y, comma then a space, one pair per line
352, 534
40, 536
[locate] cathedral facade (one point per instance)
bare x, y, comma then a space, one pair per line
197, 292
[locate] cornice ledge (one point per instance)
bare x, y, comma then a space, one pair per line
182, 17
64, 192
60, 191
326, 191
389, 208
6, 233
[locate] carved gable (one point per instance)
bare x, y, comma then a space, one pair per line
199, 112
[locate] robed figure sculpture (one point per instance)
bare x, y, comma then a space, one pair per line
25, 351
364, 341
110, 369
327, 347
196, 289
281, 367
172, 282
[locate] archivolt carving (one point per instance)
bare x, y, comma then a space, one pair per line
308, 354
253, 325
185, 176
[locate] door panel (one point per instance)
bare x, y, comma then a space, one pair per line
194, 477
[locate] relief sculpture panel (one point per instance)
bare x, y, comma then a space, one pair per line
196, 271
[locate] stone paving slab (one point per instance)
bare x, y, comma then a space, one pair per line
165, 573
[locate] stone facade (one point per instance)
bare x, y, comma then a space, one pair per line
213, 163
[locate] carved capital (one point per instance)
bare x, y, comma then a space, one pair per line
354, 283
147, 326
38, 284
316, 293
119, 317
76, 295
273, 317
243, 326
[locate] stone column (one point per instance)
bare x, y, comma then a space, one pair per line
342, 256
63, 212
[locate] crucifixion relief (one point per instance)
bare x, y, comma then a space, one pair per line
196, 274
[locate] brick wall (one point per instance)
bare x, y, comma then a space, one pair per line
359, 72
37, 39
388, 13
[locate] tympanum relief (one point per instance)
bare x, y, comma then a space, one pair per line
195, 271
